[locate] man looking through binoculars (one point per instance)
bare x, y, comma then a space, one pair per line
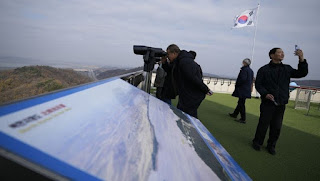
187, 76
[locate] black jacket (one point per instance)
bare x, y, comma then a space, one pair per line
169, 90
275, 79
243, 83
191, 88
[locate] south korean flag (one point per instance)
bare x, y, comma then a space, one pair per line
246, 18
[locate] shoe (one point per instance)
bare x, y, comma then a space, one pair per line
271, 150
232, 115
256, 146
241, 121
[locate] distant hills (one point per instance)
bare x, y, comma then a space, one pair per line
29, 81
103, 74
10, 62
211, 75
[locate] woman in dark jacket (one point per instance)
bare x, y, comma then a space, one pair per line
243, 90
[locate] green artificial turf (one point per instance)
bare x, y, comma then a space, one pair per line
298, 148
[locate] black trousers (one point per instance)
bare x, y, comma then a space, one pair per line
241, 108
192, 110
189, 106
270, 116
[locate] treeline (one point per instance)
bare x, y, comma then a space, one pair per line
29, 81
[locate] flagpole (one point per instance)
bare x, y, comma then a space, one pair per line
255, 33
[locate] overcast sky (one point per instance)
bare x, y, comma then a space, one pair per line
104, 32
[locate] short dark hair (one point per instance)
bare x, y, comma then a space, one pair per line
273, 51
194, 54
173, 48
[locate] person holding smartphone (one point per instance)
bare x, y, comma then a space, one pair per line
272, 83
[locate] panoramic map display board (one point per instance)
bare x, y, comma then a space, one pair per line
111, 130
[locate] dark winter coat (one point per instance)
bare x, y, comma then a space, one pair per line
191, 88
160, 77
244, 83
170, 89
275, 79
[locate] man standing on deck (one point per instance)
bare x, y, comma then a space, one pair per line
273, 85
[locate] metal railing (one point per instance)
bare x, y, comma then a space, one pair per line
227, 86
134, 78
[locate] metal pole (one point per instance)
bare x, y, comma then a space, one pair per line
255, 33
308, 101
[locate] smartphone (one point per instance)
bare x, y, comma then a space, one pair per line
296, 47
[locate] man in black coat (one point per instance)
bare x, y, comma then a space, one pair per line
242, 90
273, 85
187, 76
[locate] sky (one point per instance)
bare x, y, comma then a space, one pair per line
96, 32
